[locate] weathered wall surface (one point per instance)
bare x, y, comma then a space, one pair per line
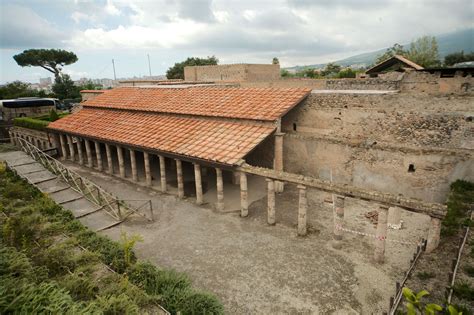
235, 72
370, 140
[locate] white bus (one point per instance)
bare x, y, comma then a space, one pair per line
26, 107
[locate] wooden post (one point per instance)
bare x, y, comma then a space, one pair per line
179, 176
110, 165
433, 235
133, 164
338, 217
197, 179
271, 201
121, 161
146, 159
244, 204
89, 153
162, 173
381, 234
79, 151
98, 155
302, 211
72, 154
220, 190
63, 147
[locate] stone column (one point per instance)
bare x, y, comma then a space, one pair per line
120, 161
162, 173
278, 160
244, 203
146, 159
63, 147
302, 211
220, 190
71, 148
235, 178
133, 164
271, 201
433, 235
197, 179
338, 217
394, 218
98, 155
88, 153
110, 165
79, 151
381, 234
179, 177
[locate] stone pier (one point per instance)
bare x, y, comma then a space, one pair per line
197, 179
162, 173
244, 203
271, 201
79, 151
146, 160
235, 177
98, 156
108, 152
433, 235
72, 154
121, 161
338, 217
179, 177
381, 234
90, 163
302, 211
133, 165
63, 147
220, 190
278, 159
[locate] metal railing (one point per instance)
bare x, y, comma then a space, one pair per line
117, 208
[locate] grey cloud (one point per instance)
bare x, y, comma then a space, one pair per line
352, 4
21, 27
197, 10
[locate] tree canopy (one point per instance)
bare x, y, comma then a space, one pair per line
275, 61
177, 71
458, 57
396, 49
51, 60
18, 89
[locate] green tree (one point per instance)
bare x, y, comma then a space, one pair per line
177, 71
458, 57
17, 89
396, 49
424, 51
89, 85
347, 73
275, 61
285, 73
51, 60
64, 87
331, 70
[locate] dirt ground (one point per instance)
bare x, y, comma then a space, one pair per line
255, 268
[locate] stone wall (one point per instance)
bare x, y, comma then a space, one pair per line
234, 73
409, 144
88, 95
41, 139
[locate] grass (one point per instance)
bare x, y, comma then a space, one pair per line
42, 268
459, 200
464, 291
469, 270
425, 275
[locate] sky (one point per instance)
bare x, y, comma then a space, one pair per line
298, 32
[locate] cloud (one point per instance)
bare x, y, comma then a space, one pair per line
21, 27
111, 9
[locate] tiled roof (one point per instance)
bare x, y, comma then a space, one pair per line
245, 103
213, 139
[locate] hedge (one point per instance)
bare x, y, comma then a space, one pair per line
31, 123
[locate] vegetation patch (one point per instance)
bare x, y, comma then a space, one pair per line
45, 269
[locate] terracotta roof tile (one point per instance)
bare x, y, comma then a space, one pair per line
230, 102
218, 140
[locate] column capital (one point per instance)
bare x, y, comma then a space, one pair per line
279, 134
301, 187
269, 179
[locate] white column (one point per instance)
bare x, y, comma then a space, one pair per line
197, 179
110, 165
162, 173
133, 164
244, 204
271, 201
220, 190
302, 211
88, 153
179, 177
433, 235
146, 159
121, 161
98, 155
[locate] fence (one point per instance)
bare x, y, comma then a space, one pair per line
116, 208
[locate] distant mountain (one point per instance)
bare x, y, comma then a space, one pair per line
447, 43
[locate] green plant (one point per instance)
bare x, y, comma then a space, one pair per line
53, 115
425, 275
127, 243
414, 303
464, 291
461, 195
31, 123
469, 270
80, 286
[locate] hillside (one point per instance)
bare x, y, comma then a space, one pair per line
447, 43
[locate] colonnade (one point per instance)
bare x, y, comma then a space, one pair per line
40, 143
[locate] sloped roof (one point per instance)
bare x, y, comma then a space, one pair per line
392, 61
219, 140
266, 104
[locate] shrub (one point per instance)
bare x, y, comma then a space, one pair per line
53, 115
464, 291
461, 195
31, 123
200, 303
79, 286
120, 304
469, 270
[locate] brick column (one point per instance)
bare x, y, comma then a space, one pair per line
120, 161
381, 234
63, 147
338, 217
220, 190
244, 203
302, 211
197, 179
80, 153
98, 156
278, 160
433, 235
133, 165
271, 201
90, 163
162, 173
179, 177
110, 165
72, 154
146, 160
